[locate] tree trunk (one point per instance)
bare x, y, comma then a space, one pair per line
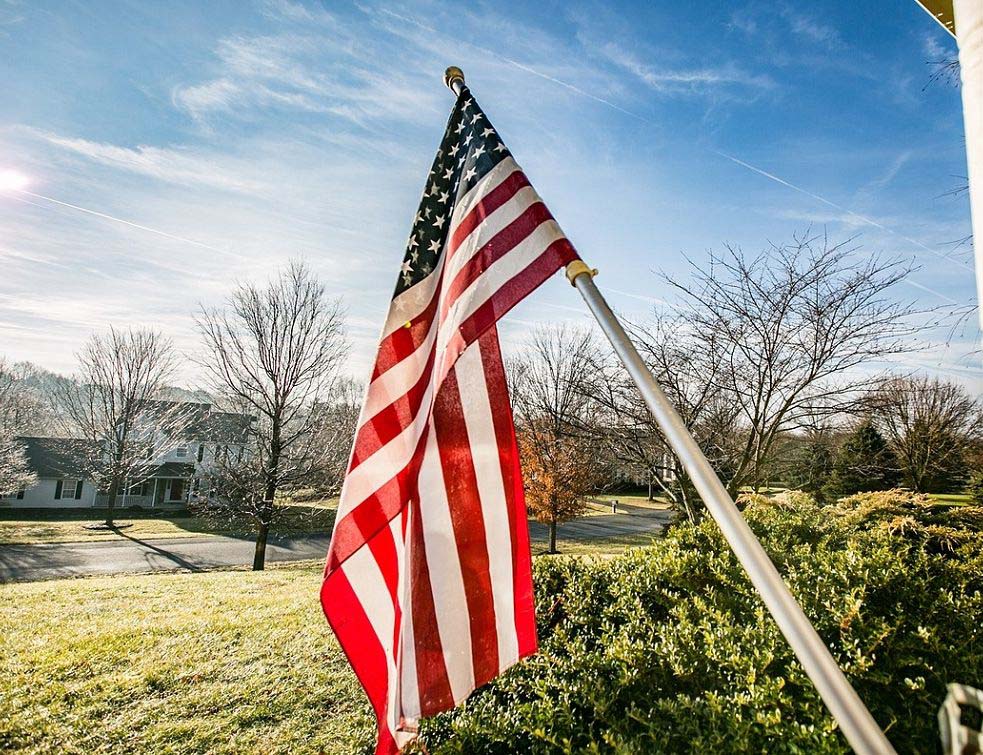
651, 497
552, 548
266, 516
259, 556
111, 502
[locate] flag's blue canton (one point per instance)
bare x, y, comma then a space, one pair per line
470, 148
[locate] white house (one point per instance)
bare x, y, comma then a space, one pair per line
168, 481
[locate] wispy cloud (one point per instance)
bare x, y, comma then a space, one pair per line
888, 175
290, 72
809, 27
674, 80
744, 21
295, 11
932, 49
179, 166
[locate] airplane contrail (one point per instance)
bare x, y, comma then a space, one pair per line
114, 219
931, 291
849, 212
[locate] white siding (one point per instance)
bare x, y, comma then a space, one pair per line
42, 496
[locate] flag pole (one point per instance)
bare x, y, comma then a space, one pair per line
859, 727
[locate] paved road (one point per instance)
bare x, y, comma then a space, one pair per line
55, 560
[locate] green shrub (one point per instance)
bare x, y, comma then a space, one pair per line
975, 487
863, 463
669, 649
915, 517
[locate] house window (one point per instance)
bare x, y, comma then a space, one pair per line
20, 495
139, 489
68, 489
181, 451
201, 451
177, 490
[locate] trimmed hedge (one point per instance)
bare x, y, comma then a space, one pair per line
668, 648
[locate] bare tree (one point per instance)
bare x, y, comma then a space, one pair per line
761, 345
931, 425
15, 472
688, 370
15, 416
276, 354
27, 405
112, 400
556, 427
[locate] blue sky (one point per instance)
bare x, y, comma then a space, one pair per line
248, 133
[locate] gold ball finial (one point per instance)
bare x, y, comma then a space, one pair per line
452, 74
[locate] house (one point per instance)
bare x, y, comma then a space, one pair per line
57, 462
167, 479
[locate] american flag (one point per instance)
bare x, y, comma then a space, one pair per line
428, 582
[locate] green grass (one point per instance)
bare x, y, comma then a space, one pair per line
637, 501
219, 662
72, 525
223, 662
601, 546
952, 499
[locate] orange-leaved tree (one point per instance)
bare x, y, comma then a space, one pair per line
554, 414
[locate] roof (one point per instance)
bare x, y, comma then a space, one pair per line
173, 469
70, 457
202, 422
222, 427
941, 11
59, 457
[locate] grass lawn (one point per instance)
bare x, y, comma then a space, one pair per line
637, 501
219, 662
70, 525
602, 546
952, 499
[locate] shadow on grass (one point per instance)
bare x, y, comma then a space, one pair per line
61, 525
182, 562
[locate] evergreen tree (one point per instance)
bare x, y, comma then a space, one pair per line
810, 464
863, 463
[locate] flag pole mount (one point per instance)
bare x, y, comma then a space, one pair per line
454, 79
859, 727
579, 267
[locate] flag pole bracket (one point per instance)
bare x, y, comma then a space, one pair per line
579, 267
454, 79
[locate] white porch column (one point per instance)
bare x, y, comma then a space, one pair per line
968, 15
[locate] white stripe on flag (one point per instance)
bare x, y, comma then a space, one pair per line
394, 382
484, 186
495, 277
521, 201
381, 466
491, 491
446, 579
363, 574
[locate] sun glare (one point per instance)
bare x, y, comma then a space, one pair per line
11, 180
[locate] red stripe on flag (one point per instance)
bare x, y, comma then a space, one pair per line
431, 673
360, 644
403, 341
557, 254
375, 512
497, 247
461, 483
485, 207
508, 455
391, 421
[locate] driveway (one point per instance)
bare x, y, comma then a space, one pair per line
131, 555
